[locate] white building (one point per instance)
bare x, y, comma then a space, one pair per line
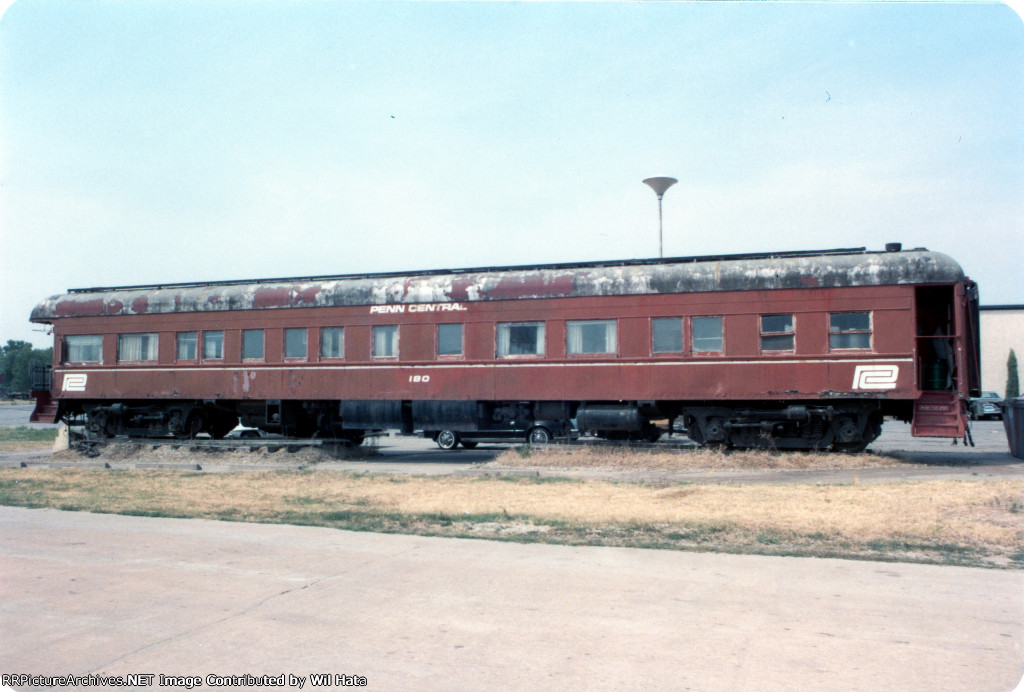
1002, 329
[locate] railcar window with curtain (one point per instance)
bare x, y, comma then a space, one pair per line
136, 347
252, 344
777, 333
849, 330
83, 349
707, 334
213, 345
667, 335
294, 343
186, 345
449, 339
385, 341
521, 339
591, 337
332, 342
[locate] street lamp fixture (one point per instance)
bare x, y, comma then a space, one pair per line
660, 185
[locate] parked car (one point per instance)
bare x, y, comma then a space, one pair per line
242, 433
988, 405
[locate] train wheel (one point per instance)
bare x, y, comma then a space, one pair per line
192, 427
101, 428
221, 426
447, 439
849, 438
538, 436
651, 433
715, 432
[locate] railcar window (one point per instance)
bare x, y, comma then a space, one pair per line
449, 339
252, 344
849, 330
332, 342
186, 346
521, 339
385, 341
136, 347
591, 336
213, 345
83, 349
706, 334
667, 335
295, 343
777, 333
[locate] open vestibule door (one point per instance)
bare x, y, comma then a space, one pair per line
946, 370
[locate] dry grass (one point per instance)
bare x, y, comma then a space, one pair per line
956, 522
627, 458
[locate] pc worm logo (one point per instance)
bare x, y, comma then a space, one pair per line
875, 376
74, 382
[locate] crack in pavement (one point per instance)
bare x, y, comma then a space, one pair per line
248, 609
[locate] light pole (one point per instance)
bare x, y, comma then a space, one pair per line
660, 185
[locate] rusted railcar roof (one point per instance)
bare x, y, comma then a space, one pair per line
820, 269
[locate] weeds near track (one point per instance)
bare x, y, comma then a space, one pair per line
625, 457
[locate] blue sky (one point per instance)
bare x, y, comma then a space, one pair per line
150, 142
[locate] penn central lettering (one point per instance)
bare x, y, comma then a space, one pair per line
425, 307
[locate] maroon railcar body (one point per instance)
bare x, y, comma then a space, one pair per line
790, 350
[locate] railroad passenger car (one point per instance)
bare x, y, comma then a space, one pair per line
785, 350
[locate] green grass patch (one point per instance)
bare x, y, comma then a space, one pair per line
24, 433
531, 479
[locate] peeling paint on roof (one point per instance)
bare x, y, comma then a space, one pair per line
742, 273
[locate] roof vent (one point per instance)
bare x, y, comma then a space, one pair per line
893, 247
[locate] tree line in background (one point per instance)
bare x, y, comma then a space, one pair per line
16, 361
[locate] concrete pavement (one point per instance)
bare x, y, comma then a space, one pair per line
83, 593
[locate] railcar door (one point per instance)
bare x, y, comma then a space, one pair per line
968, 294
941, 364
